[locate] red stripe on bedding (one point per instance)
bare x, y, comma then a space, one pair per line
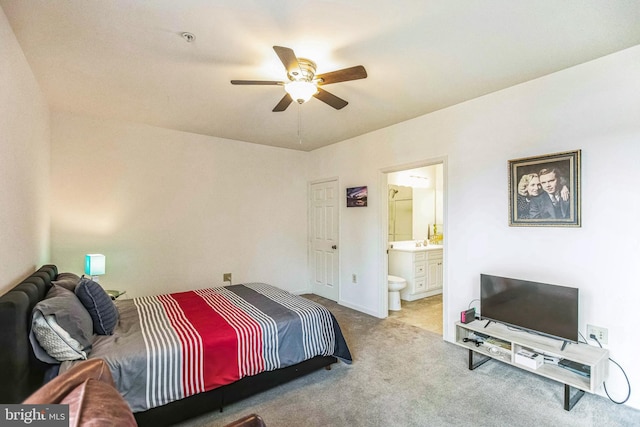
224, 332
248, 331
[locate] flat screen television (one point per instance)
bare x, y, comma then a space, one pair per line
548, 310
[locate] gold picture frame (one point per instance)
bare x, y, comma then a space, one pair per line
544, 191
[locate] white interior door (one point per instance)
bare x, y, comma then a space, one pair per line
324, 251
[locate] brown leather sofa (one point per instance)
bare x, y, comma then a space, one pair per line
89, 390
252, 420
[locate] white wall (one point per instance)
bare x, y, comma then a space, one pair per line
24, 165
594, 107
172, 210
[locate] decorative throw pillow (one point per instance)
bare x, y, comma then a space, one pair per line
61, 328
67, 281
57, 342
99, 305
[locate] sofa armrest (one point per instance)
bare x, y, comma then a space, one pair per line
252, 420
88, 389
56, 389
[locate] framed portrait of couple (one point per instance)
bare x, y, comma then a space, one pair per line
544, 191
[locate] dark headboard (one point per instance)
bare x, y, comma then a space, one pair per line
20, 372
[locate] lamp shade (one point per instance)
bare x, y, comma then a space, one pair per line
94, 264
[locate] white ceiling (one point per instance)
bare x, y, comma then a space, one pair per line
126, 59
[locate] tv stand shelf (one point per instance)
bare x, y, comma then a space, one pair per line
511, 341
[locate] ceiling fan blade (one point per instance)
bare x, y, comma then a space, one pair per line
283, 104
331, 99
346, 74
289, 60
255, 82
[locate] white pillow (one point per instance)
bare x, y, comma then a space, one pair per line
54, 340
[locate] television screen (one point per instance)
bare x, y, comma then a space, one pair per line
549, 310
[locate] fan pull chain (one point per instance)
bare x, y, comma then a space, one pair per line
300, 124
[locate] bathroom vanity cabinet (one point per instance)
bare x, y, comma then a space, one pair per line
421, 267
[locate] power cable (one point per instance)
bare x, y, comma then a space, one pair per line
604, 383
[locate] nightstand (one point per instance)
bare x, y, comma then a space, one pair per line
114, 294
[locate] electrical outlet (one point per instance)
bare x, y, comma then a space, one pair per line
354, 278
226, 277
602, 334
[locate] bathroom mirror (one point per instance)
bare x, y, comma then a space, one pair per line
400, 213
415, 203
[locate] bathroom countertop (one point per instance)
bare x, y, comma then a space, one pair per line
407, 248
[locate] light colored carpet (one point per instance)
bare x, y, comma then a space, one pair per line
405, 376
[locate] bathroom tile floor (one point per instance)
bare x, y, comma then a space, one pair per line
425, 313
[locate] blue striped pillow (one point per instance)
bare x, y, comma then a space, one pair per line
99, 305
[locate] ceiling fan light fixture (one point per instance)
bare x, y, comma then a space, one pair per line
301, 91
303, 82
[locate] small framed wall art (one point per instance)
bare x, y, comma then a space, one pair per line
544, 191
356, 197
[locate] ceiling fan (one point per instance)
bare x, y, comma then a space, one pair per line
304, 83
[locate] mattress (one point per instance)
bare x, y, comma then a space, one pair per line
167, 347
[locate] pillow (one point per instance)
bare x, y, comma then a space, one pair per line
99, 305
61, 328
67, 281
57, 342
57, 291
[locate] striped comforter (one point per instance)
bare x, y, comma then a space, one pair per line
168, 347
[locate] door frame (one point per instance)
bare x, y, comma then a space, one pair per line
383, 299
309, 236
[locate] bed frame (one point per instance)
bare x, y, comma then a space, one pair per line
22, 373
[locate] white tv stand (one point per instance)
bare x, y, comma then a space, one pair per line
595, 358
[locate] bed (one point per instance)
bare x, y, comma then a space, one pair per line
186, 380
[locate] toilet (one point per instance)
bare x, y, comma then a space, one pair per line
396, 284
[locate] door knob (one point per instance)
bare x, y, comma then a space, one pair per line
334, 247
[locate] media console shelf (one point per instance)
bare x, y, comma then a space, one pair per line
507, 342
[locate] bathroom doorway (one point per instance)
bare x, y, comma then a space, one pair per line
415, 242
